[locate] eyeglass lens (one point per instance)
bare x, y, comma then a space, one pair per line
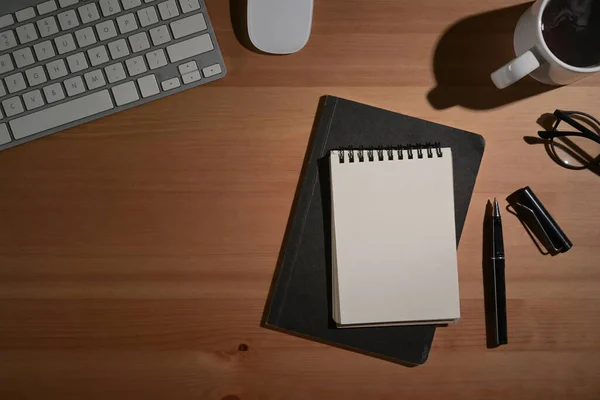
576, 151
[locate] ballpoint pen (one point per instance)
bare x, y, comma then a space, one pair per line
499, 287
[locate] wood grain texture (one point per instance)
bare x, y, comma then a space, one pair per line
136, 252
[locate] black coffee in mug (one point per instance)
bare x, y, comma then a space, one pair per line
571, 30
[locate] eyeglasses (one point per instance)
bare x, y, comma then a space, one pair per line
575, 150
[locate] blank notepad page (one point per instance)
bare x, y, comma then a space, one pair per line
393, 237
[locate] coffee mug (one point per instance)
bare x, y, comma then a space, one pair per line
557, 42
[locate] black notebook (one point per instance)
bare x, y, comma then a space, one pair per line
300, 301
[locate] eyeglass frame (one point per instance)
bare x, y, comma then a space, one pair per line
584, 132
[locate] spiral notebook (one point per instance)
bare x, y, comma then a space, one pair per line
393, 237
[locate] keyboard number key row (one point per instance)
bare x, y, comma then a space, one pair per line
89, 12
105, 30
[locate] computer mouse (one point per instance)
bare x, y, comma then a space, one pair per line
279, 26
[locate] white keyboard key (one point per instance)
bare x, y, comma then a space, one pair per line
77, 62
95, 79
118, 49
211, 70
67, 3
27, 33
6, 20
189, 48
127, 23
4, 135
110, 7
13, 106
148, 86
188, 26
7, 40
54, 93
33, 100
129, 4
23, 57
85, 37
115, 73
136, 66
168, 9
44, 50
36, 76
125, 93
46, 7
188, 67
160, 35
47, 26
15, 83
68, 20
24, 15
189, 5
98, 55
106, 30
147, 16
74, 86
139, 42
56, 69
61, 114
2, 91
171, 84
156, 59
190, 77
6, 64
65, 43
89, 13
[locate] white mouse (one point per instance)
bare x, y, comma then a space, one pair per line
279, 26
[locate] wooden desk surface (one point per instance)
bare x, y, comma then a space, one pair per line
136, 252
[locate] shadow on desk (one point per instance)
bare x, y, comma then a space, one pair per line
468, 52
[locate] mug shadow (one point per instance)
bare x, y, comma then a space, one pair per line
468, 52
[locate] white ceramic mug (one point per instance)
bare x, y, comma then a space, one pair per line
534, 57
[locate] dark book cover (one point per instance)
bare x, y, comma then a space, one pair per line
300, 298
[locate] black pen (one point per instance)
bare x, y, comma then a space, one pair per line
499, 287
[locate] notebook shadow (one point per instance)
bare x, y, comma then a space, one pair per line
468, 52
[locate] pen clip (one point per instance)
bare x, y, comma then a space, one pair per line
541, 226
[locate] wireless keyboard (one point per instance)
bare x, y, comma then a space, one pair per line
67, 62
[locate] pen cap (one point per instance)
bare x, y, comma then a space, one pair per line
533, 213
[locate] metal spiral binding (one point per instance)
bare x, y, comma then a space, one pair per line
387, 153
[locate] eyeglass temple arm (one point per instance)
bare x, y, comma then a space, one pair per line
554, 134
566, 117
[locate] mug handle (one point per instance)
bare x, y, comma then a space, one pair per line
515, 70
